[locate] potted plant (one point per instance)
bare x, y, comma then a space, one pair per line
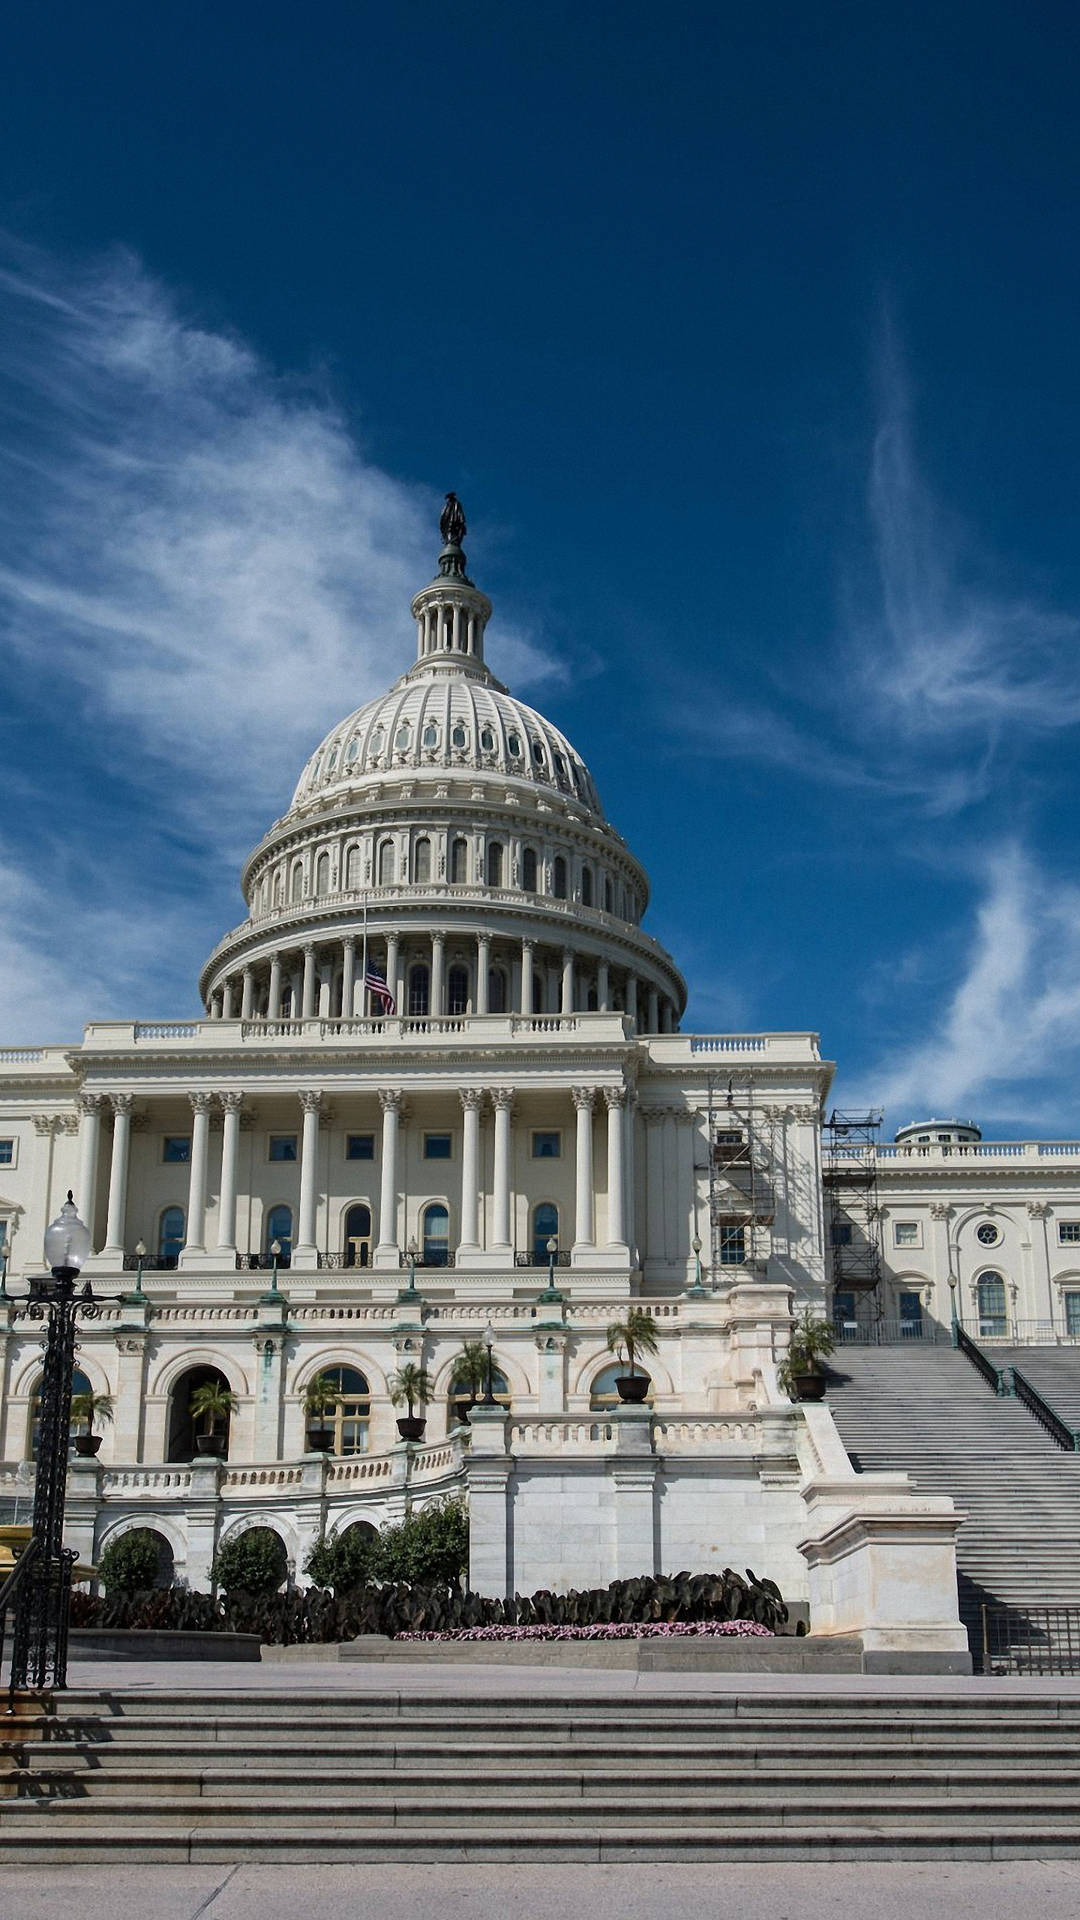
626, 1339
211, 1402
85, 1409
320, 1396
411, 1386
469, 1378
801, 1374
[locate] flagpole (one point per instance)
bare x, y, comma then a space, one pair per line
363, 974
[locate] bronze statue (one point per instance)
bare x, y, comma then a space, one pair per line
452, 521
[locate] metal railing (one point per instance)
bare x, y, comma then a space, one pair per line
8, 1593
890, 1333
1031, 1639
995, 1377
1041, 1410
561, 1259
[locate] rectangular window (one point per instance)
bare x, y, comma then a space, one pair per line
436, 1146
1072, 1314
283, 1146
843, 1310
546, 1146
7, 1153
729, 1139
842, 1233
732, 1246
906, 1233
176, 1147
1068, 1231
359, 1146
910, 1316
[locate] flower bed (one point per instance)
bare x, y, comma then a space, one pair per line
611, 1630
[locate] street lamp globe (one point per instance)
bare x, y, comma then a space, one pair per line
67, 1241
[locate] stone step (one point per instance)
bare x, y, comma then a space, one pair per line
798, 1753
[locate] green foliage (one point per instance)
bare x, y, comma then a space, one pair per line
254, 1563
430, 1548
633, 1335
469, 1375
88, 1407
345, 1562
411, 1386
811, 1340
130, 1563
212, 1402
320, 1396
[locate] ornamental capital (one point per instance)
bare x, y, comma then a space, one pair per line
502, 1098
615, 1097
583, 1098
231, 1102
1038, 1209
201, 1102
310, 1099
472, 1098
940, 1210
122, 1102
91, 1102
392, 1099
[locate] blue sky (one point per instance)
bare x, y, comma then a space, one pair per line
748, 338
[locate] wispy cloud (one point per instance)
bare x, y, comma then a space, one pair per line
1011, 1025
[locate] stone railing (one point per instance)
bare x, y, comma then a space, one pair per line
172, 1480
937, 1150
272, 1477
359, 1467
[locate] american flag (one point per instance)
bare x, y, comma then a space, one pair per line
375, 984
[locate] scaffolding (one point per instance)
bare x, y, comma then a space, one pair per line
852, 1219
742, 1191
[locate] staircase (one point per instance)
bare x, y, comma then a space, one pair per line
927, 1411
1053, 1371
314, 1777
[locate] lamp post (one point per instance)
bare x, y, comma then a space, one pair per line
551, 1291
138, 1298
952, 1306
409, 1293
39, 1645
489, 1399
699, 1288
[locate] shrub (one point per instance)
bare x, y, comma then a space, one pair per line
344, 1563
254, 1563
429, 1549
130, 1564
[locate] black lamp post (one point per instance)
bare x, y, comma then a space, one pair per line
489, 1399
39, 1644
410, 1293
699, 1288
551, 1291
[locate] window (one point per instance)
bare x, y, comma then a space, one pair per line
377, 739
843, 1311
359, 1146
545, 1228
7, 1153
79, 1384
586, 886
560, 766
495, 864
402, 738
358, 1236
1068, 1233
436, 1244
386, 864
1072, 1315
170, 1236
987, 1234
419, 992
353, 869
457, 990
459, 863
528, 870
487, 740
296, 883
459, 738
513, 745
422, 861
609, 895
910, 1316
558, 877
279, 1228
322, 873
332, 762
354, 748
604, 1394
732, 1246
538, 752
906, 1233
350, 1416
283, 1146
842, 1233
431, 734
729, 1137
437, 1146
993, 1319
943, 1136
546, 1146
464, 1394
176, 1147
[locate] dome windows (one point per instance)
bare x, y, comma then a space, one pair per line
430, 735
528, 869
353, 869
457, 990
322, 873
487, 740
609, 894
558, 877
378, 740
513, 745
403, 738
560, 768
538, 753
332, 762
419, 992
459, 863
352, 751
459, 738
586, 887
386, 864
495, 863
422, 862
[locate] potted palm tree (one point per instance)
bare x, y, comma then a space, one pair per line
469, 1378
801, 1374
626, 1339
85, 1409
411, 1387
320, 1397
212, 1402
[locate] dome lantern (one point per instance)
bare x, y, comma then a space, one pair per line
451, 613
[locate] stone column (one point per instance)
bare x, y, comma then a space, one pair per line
231, 1105
685, 1189
247, 996
584, 1226
391, 1100
483, 967
437, 1002
121, 1104
392, 980
195, 1237
307, 1003
603, 987
348, 978
652, 1024
566, 1004
615, 1098
528, 948
633, 1470
502, 1099
654, 1181
273, 1011
311, 1102
666, 1017
90, 1105
631, 997
471, 1098
228, 1001
215, 1006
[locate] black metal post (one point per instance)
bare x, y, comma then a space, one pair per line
40, 1639
489, 1391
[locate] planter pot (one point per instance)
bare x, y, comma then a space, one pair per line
320, 1439
633, 1386
411, 1429
808, 1386
87, 1444
211, 1443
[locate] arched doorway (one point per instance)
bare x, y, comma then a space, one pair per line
350, 1416
604, 1394
182, 1425
436, 1249
358, 1236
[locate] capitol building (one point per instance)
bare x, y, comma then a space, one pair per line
441, 1094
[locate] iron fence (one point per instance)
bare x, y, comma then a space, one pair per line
1031, 1639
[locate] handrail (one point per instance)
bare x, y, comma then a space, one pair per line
1044, 1413
994, 1376
29, 1554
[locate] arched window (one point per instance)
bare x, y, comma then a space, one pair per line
436, 1230
402, 738
586, 886
358, 1236
422, 861
497, 994
609, 894
279, 888
545, 1228
79, 1384
332, 762
353, 869
558, 877
386, 864
495, 863
431, 735
378, 738
528, 869
296, 882
513, 745
459, 863
279, 1228
183, 1426
170, 1236
349, 1418
322, 873
353, 750
457, 990
604, 1393
465, 1392
487, 740
419, 991
459, 738
993, 1315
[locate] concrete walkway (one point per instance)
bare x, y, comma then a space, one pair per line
936, 1891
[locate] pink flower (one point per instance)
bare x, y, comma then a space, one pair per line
612, 1630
